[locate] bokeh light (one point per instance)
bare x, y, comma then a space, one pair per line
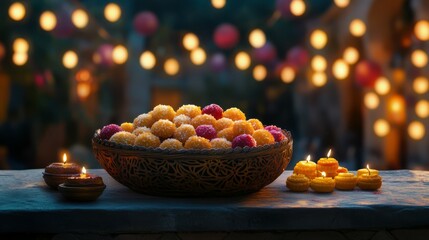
17, 11
297, 7
83, 89
190, 41
112, 12
20, 45
371, 100
422, 109
351, 55
287, 74
357, 28
83, 75
416, 130
342, 3
119, 54
147, 60
419, 58
381, 127
80, 18
259, 72
257, 38
340, 69
20, 58
218, 4
48, 21
171, 66
319, 79
242, 60
382, 86
198, 56
318, 39
318, 63
421, 85
421, 30
70, 59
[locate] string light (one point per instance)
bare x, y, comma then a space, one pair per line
17, 11
190, 41
382, 86
259, 72
351, 55
318, 39
242, 60
416, 130
422, 109
257, 38
342, 3
171, 66
147, 60
70, 59
48, 21
340, 69
421, 30
381, 127
112, 12
318, 63
419, 58
297, 7
198, 56
80, 18
319, 79
218, 4
371, 100
20, 45
119, 54
19, 58
357, 28
421, 85
287, 74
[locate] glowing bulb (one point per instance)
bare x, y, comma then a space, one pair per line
218, 4
112, 12
259, 72
17, 11
357, 28
351, 55
371, 100
318, 39
381, 128
421, 30
342, 3
416, 130
257, 38
48, 21
83, 89
147, 60
190, 41
20, 45
171, 66
80, 18
419, 58
340, 69
382, 86
287, 74
20, 58
319, 79
297, 7
119, 54
242, 60
421, 85
422, 109
64, 158
70, 59
198, 56
318, 63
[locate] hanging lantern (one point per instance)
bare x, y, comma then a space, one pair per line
226, 36
366, 73
146, 23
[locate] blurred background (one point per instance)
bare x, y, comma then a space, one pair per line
345, 75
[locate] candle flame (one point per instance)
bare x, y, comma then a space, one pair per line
329, 153
308, 158
367, 167
83, 170
64, 158
323, 174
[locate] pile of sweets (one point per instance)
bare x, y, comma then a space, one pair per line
190, 127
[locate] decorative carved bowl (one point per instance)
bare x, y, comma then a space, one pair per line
188, 172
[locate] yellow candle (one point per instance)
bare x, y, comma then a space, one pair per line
328, 165
369, 182
306, 167
367, 170
323, 184
345, 181
298, 183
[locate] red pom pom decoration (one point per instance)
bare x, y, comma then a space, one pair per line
278, 135
243, 140
108, 131
366, 73
226, 36
146, 23
214, 110
206, 131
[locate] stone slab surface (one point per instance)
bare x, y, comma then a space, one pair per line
28, 205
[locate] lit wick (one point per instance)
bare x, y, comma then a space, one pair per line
83, 174
323, 175
64, 158
329, 154
367, 167
308, 158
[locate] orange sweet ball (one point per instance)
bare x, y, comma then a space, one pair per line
181, 119
143, 120
234, 114
263, 137
189, 110
184, 132
220, 143
123, 137
226, 133
242, 127
147, 139
196, 142
163, 128
171, 143
223, 123
204, 119
256, 124
141, 130
163, 112
128, 127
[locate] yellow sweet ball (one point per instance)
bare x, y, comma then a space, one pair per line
163, 128
263, 137
234, 113
204, 119
141, 130
189, 110
226, 133
171, 143
298, 183
242, 127
123, 137
196, 142
128, 127
147, 139
220, 143
256, 124
223, 123
184, 132
143, 120
163, 112
181, 119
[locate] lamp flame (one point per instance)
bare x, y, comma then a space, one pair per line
323, 174
83, 170
308, 158
64, 158
329, 154
367, 167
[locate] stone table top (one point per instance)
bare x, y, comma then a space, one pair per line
28, 205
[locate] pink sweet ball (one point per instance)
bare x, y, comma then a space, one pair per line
213, 109
243, 140
206, 131
278, 136
108, 131
273, 127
